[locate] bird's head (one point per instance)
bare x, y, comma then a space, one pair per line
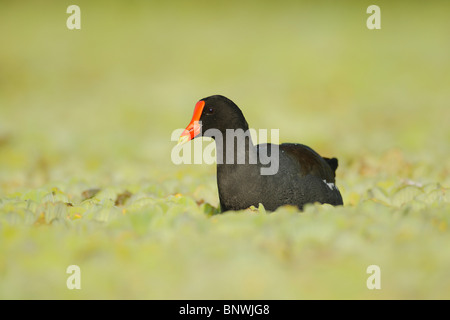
214, 112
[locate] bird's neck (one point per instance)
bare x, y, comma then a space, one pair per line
235, 147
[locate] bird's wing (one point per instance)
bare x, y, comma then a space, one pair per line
310, 161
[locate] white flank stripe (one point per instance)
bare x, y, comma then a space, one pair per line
330, 185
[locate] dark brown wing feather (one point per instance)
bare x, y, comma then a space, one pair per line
311, 162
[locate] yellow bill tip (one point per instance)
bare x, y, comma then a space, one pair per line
182, 140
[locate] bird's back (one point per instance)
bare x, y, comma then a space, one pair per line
303, 177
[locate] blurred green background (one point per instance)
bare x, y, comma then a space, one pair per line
86, 177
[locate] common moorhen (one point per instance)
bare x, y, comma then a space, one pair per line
271, 174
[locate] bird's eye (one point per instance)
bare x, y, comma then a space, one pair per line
209, 111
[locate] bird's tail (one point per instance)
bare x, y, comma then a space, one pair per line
333, 163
